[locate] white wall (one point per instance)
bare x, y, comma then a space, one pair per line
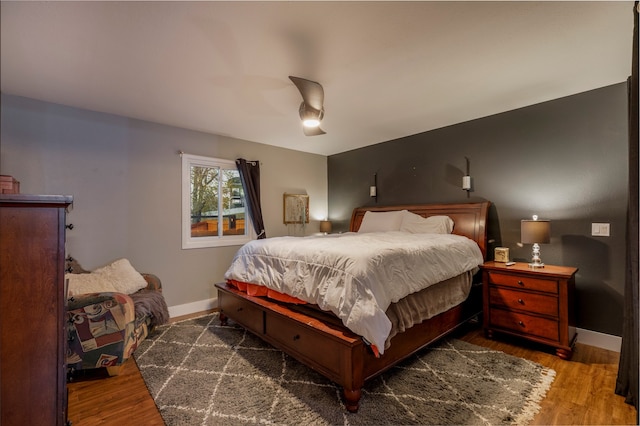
124, 175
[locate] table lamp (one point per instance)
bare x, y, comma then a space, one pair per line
325, 226
535, 232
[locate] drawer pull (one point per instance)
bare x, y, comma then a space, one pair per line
239, 309
520, 301
520, 323
296, 337
520, 282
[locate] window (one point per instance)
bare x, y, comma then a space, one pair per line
214, 211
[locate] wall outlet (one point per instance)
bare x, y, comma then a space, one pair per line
600, 229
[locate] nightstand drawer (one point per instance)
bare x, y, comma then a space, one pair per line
525, 324
520, 300
524, 282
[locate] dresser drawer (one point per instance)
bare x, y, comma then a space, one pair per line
251, 316
307, 343
525, 324
536, 303
524, 282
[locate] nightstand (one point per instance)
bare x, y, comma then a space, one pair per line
536, 304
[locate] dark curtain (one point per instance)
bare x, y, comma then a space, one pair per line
628, 373
250, 177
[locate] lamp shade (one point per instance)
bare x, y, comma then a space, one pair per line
535, 231
325, 226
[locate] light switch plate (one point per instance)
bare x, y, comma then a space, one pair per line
600, 229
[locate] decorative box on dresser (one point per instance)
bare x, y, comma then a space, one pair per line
533, 303
33, 389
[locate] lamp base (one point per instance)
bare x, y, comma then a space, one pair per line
536, 262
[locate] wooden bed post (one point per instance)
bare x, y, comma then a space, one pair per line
352, 399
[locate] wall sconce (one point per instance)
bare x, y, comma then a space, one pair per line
535, 232
325, 226
466, 183
466, 179
373, 190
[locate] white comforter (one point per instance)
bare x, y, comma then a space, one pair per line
356, 276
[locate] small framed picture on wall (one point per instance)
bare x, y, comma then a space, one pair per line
295, 208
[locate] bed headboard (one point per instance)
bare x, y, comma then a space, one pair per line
470, 218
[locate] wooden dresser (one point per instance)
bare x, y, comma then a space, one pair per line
536, 304
33, 388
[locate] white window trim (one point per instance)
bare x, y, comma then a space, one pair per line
189, 242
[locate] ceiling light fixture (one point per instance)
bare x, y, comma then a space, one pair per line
310, 117
311, 122
311, 109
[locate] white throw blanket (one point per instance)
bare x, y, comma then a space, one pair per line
354, 275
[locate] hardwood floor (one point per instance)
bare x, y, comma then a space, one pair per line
581, 394
583, 390
120, 400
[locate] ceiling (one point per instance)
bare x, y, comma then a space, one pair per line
389, 69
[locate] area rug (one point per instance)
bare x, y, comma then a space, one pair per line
201, 373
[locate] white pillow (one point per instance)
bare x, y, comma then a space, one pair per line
122, 276
87, 283
118, 276
382, 221
417, 224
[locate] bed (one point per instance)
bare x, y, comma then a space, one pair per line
320, 340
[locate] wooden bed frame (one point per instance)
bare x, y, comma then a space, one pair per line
320, 341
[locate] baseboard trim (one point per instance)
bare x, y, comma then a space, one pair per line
193, 307
599, 340
585, 337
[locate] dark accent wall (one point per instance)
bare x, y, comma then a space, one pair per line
565, 160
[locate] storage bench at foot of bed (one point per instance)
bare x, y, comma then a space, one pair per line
329, 348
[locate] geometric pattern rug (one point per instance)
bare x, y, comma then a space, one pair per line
201, 373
